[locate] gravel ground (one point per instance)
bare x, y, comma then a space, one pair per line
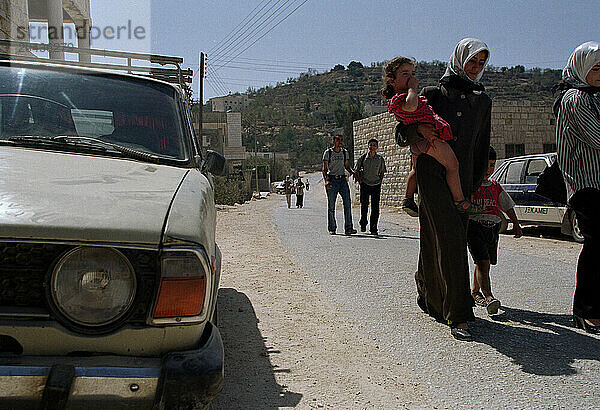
285, 344
350, 336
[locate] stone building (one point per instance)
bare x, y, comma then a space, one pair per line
232, 102
222, 132
15, 16
518, 128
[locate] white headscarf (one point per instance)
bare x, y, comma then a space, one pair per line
580, 63
463, 52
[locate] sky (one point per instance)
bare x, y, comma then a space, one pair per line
302, 35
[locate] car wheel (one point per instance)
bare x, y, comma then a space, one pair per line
575, 231
503, 224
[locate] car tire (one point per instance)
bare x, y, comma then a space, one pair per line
575, 231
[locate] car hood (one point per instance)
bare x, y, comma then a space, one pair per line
47, 195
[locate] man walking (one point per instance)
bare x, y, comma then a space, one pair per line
299, 193
370, 168
335, 161
287, 187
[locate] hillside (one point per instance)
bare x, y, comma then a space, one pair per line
297, 115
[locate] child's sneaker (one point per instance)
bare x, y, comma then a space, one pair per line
410, 207
479, 299
471, 209
492, 306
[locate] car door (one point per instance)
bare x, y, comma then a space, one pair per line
511, 180
539, 208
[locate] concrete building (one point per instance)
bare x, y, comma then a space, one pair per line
232, 102
518, 128
222, 132
375, 107
15, 16
268, 155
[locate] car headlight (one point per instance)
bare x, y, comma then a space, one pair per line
92, 287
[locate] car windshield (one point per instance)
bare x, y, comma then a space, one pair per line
39, 104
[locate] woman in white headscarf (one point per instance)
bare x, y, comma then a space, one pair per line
578, 144
442, 276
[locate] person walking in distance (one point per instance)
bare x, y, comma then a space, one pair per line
299, 193
371, 169
287, 189
335, 162
483, 233
578, 146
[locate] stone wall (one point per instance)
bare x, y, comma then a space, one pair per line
397, 159
513, 122
530, 123
14, 21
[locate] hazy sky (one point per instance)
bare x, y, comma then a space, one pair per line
322, 33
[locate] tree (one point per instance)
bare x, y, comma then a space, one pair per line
348, 110
355, 69
338, 67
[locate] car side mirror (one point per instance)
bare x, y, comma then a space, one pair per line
213, 163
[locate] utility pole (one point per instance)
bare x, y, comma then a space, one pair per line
256, 161
201, 95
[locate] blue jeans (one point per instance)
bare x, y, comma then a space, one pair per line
338, 186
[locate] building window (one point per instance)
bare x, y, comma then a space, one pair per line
514, 150
549, 148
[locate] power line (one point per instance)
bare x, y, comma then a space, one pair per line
217, 80
261, 69
299, 66
254, 30
271, 29
234, 32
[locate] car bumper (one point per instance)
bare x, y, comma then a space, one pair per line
189, 379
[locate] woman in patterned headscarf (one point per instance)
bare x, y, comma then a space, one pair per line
443, 271
578, 143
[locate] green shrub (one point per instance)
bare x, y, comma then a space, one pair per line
231, 191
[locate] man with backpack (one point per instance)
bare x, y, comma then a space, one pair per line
370, 168
335, 162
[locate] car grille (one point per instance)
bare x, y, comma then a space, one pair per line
24, 266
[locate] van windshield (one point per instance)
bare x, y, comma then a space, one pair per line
44, 103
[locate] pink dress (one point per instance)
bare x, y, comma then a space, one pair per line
423, 113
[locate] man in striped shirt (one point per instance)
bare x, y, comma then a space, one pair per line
578, 143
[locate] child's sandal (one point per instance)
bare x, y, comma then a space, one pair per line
471, 209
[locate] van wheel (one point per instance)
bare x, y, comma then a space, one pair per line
577, 236
503, 224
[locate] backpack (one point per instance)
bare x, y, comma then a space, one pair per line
551, 184
343, 150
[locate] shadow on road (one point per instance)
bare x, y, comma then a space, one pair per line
549, 349
547, 232
249, 376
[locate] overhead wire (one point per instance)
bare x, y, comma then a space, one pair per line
233, 32
248, 30
271, 29
240, 41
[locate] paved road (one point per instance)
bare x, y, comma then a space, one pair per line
530, 356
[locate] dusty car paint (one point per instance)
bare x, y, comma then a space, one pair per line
71, 197
148, 341
192, 218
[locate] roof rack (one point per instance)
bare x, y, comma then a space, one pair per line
176, 75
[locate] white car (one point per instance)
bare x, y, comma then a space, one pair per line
109, 269
518, 176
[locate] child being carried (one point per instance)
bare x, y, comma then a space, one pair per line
410, 108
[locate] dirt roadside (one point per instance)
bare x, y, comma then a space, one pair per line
285, 345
